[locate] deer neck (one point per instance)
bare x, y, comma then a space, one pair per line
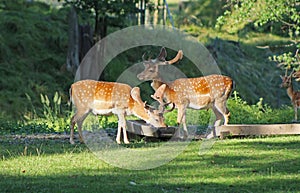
138, 110
156, 84
290, 91
157, 81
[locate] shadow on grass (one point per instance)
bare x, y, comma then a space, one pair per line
146, 181
259, 165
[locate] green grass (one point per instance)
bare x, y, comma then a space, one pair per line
237, 165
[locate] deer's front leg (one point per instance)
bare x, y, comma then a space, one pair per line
181, 118
122, 127
296, 112
185, 130
118, 138
72, 131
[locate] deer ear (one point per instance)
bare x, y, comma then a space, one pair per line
162, 55
159, 93
135, 94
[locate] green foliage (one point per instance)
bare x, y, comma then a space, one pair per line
259, 113
33, 46
200, 13
266, 12
54, 118
24, 128
32, 51
260, 13
108, 122
105, 14
287, 60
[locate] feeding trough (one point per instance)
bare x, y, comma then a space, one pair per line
140, 127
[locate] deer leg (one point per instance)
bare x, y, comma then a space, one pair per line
78, 118
125, 138
73, 122
122, 127
181, 118
79, 124
220, 108
118, 138
296, 112
226, 118
185, 131
218, 116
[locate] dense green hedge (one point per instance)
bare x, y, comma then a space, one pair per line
241, 113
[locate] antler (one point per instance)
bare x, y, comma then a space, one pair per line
143, 57
286, 72
292, 72
162, 107
162, 104
148, 107
177, 57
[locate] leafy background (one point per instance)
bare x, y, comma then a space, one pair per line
33, 49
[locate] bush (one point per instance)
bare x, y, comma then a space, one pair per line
260, 113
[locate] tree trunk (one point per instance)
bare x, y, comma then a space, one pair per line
86, 40
72, 62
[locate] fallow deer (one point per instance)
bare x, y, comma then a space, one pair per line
294, 95
296, 74
105, 98
205, 92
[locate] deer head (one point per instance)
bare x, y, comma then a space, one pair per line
151, 71
286, 80
155, 116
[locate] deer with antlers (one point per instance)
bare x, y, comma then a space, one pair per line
294, 95
105, 98
205, 92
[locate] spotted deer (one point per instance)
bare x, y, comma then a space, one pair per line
206, 92
106, 98
294, 95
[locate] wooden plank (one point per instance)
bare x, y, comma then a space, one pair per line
256, 129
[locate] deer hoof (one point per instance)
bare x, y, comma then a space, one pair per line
185, 136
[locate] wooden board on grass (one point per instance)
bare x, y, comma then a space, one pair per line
255, 129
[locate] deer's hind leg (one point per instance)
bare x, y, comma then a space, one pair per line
220, 106
78, 118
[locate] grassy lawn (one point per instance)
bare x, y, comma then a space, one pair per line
269, 164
